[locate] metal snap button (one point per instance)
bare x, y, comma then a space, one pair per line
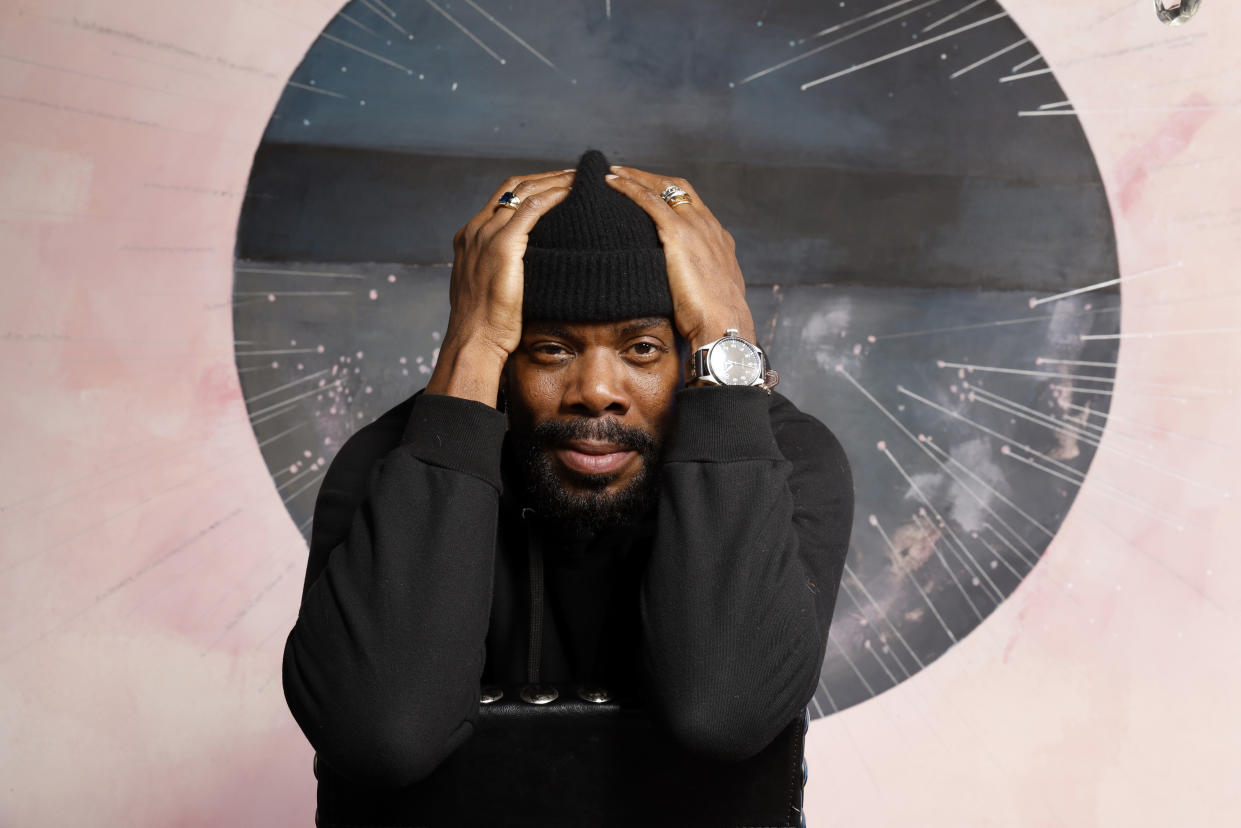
595, 695
539, 693
490, 694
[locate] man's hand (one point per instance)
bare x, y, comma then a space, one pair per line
708, 291
488, 279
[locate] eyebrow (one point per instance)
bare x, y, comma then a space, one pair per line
642, 325
549, 330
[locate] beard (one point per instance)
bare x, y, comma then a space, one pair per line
590, 509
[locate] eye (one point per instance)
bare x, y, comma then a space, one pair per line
549, 352
647, 351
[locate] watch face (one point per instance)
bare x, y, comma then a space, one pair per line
735, 362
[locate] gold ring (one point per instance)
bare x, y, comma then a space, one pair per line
674, 196
509, 200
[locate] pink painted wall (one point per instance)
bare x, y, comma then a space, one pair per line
149, 572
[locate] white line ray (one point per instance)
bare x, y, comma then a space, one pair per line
998, 494
1147, 509
300, 475
1034, 303
848, 590
1055, 105
384, 6
366, 52
1076, 389
985, 430
1026, 63
283, 403
361, 26
1034, 113
837, 41
1110, 417
274, 272
273, 416
988, 58
955, 14
275, 351
1055, 426
896, 557
920, 44
847, 23
467, 32
1153, 334
935, 546
1032, 74
511, 33
866, 645
293, 293
304, 488
955, 328
926, 449
941, 522
1026, 372
1042, 359
884, 616
998, 558
284, 433
386, 17
1066, 422
307, 378
856, 671
308, 88
1006, 542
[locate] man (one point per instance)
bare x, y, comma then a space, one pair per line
567, 508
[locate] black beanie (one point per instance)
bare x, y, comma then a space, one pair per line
595, 257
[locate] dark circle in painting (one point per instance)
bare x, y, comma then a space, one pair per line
911, 196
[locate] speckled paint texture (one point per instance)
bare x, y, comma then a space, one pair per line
149, 568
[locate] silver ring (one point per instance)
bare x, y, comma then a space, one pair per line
672, 191
510, 200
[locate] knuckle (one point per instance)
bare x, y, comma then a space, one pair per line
534, 202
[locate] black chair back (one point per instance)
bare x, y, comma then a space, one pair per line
573, 763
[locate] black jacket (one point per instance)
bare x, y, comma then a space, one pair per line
715, 611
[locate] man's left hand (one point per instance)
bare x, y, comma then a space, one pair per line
708, 290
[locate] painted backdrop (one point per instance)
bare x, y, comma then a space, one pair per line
227, 230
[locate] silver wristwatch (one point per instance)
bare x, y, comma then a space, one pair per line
732, 360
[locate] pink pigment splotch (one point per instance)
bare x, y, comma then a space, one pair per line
1166, 144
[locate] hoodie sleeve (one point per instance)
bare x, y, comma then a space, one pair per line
382, 669
755, 512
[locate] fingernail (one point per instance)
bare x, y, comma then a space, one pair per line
610, 176
570, 169
614, 167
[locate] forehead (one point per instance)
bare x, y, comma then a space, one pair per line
620, 329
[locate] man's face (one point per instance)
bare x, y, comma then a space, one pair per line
590, 405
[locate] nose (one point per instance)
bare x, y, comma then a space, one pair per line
597, 385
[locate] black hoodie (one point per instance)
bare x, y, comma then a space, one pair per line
714, 611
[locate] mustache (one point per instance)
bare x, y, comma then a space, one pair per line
609, 430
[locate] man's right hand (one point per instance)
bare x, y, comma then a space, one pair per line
488, 280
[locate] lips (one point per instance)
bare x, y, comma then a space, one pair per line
592, 456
